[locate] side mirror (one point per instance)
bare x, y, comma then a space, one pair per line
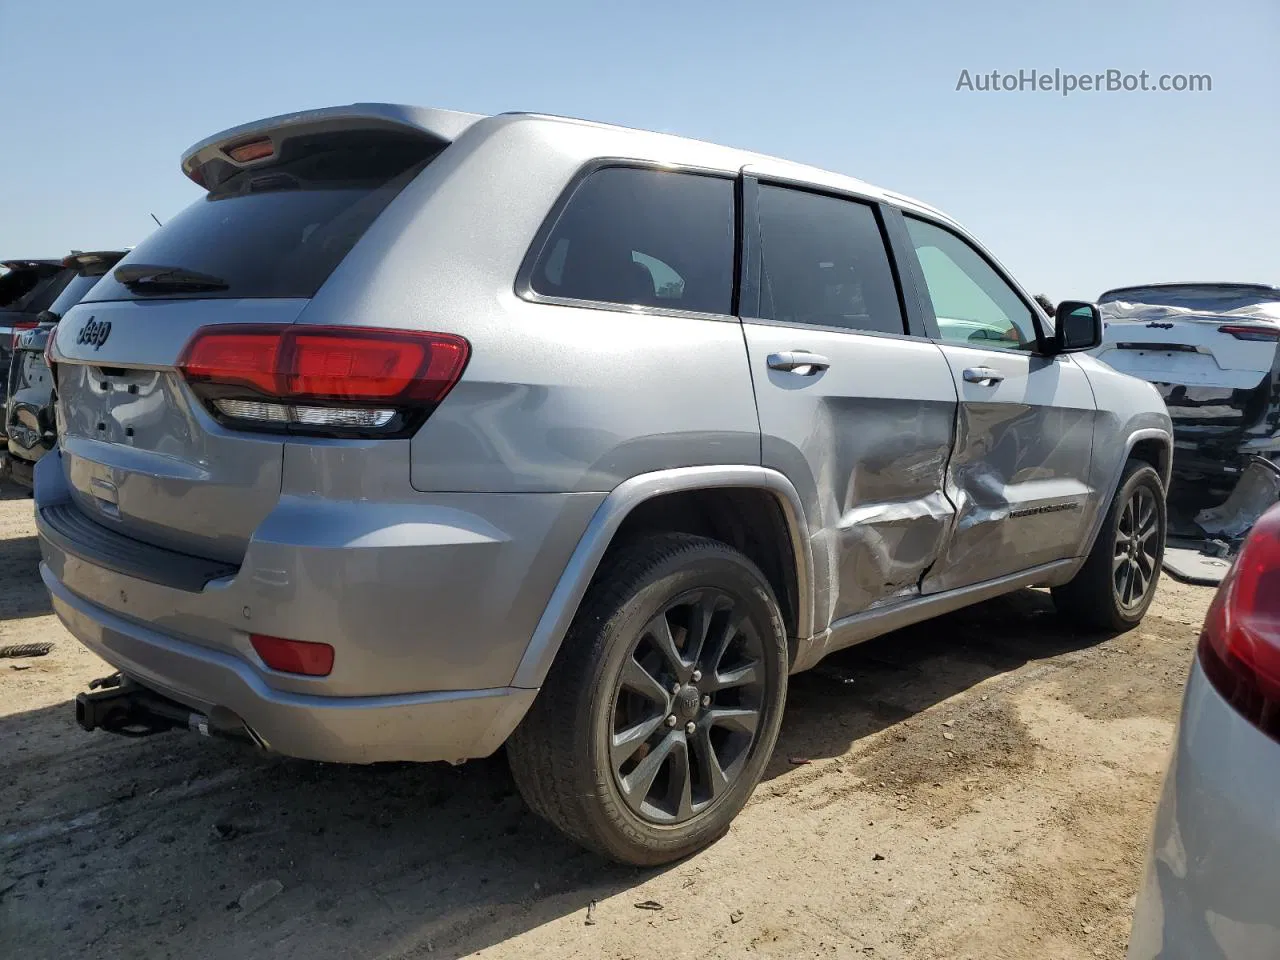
1079, 327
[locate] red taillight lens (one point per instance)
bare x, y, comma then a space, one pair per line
1249, 331
379, 365
1240, 643
294, 656
323, 380
236, 357
50, 354
20, 327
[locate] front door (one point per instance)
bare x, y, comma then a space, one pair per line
1019, 476
857, 414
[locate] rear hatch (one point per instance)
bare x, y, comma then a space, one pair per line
287, 199
1210, 349
24, 281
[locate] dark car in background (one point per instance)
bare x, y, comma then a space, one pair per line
27, 287
28, 417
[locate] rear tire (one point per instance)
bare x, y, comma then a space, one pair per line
1114, 588
598, 755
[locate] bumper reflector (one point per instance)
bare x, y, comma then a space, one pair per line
294, 656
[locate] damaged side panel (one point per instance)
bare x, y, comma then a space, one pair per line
1020, 475
866, 443
894, 514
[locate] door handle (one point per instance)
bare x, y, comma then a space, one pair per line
800, 362
983, 375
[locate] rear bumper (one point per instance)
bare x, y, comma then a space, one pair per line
452, 725
1212, 881
429, 602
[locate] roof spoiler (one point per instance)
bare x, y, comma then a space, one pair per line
444, 126
28, 264
93, 261
1262, 289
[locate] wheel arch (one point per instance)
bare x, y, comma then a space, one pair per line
1152, 445
1153, 448
627, 503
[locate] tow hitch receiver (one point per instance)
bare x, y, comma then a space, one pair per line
118, 705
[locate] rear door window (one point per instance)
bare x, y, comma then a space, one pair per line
640, 237
280, 230
824, 263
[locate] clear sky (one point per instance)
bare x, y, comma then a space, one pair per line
1074, 194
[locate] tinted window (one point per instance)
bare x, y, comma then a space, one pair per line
973, 303
643, 237
824, 262
74, 292
17, 284
280, 230
38, 289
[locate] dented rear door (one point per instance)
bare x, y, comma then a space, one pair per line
859, 415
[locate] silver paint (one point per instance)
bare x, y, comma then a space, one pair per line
865, 443
415, 592
608, 517
448, 725
1022, 445
445, 569
1212, 883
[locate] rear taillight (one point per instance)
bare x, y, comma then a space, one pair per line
50, 354
1240, 643
19, 328
326, 381
1249, 331
294, 656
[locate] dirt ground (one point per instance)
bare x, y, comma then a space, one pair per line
980, 786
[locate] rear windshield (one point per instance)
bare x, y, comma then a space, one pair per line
27, 290
73, 293
280, 230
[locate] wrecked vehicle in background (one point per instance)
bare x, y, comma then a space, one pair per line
1211, 351
26, 288
27, 415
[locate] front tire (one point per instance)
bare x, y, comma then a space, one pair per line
663, 706
1114, 588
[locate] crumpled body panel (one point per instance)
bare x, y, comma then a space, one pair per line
1019, 477
866, 443
894, 515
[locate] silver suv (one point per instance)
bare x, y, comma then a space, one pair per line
422, 433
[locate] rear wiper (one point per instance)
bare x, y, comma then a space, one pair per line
145, 276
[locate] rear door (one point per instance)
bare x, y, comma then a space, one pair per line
142, 455
1024, 434
856, 413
